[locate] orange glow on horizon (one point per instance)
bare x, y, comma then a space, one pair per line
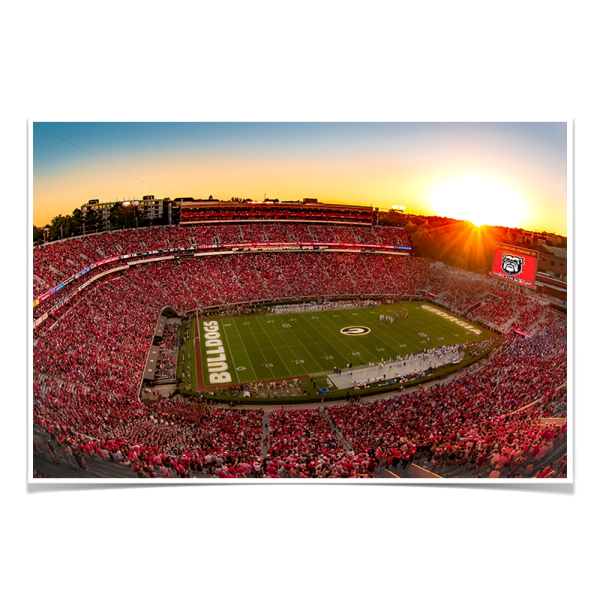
413, 170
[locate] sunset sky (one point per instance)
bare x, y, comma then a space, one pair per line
494, 173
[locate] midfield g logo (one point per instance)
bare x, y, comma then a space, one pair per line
357, 330
512, 265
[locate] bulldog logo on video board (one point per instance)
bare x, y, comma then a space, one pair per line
512, 265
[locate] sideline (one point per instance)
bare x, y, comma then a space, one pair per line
197, 346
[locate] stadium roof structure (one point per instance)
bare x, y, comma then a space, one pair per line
160, 327
151, 362
202, 212
251, 204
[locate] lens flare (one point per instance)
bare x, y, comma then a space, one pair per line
478, 200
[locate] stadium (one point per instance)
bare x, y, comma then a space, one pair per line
290, 340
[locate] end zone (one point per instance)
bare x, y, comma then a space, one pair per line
463, 324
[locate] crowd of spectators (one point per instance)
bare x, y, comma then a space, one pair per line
303, 444
89, 356
54, 263
498, 311
523, 312
495, 304
219, 442
456, 292
475, 407
103, 340
228, 279
448, 426
488, 422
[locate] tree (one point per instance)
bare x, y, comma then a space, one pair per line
410, 228
38, 234
391, 218
122, 217
91, 221
66, 223
422, 242
78, 221
115, 215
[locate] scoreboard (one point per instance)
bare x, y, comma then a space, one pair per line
518, 265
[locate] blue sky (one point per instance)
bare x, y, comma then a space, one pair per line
383, 164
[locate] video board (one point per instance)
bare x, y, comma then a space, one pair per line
518, 265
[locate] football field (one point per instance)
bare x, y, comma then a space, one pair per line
269, 347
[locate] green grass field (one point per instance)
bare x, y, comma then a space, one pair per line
274, 346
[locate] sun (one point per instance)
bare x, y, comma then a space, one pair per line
478, 200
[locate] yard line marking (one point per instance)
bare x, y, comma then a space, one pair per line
247, 355
290, 374
305, 346
229, 348
261, 351
197, 344
325, 341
